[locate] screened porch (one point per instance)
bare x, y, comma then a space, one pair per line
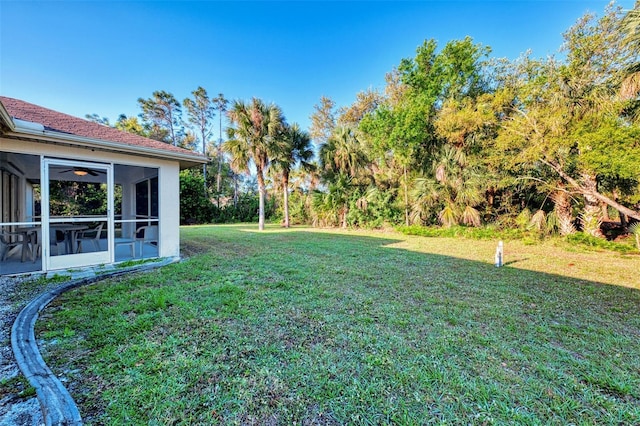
60, 213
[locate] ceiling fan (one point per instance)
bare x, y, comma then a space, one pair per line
83, 171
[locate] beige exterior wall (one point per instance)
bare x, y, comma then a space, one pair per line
169, 199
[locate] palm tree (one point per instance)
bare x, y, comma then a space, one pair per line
630, 27
457, 188
295, 147
343, 160
332, 207
342, 153
253, 137
220, 103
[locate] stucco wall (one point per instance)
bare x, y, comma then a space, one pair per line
169, 198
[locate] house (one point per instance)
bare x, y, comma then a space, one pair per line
74, 193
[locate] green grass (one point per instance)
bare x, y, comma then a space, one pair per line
354, 327
16, 386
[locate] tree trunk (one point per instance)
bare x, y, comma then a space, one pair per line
235, 190
623, 217
204, 173
219, 174
204, 166
582, 190
285, 184
261, 191
345, 211
491, 196
406, 198
592, 216
562, 207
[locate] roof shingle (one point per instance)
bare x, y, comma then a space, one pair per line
63, 123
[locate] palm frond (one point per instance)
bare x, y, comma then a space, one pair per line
448, 216
523, 218
630, 87
553, 223
538, 221
471, 217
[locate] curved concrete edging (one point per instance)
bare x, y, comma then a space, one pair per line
58, 407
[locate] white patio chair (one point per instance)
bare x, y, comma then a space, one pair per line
146, 234
90, 236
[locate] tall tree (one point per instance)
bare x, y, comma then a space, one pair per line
253, 138
323, 120
131, 125
295, 149
416, 90
630, 27
343, 161
97, 119
200, 113
163, 113
221, 105
569, 118
366, 102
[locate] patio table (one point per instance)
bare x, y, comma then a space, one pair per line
70, 234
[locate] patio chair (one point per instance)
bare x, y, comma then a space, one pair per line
56, 242
9, 240
35, 239
146, 234
90, 235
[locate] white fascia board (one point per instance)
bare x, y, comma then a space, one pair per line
56, 137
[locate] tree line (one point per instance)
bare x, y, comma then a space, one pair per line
258, 138
457, 137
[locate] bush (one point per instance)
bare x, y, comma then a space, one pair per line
586, 240
245, 210
482, 233
194, 206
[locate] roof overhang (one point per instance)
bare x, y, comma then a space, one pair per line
5, 119
17, 131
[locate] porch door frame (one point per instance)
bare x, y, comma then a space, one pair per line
75, 260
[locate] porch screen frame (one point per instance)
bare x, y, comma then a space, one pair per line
81, 259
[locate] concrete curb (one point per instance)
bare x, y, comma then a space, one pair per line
58, 407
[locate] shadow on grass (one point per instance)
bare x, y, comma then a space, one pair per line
512, 262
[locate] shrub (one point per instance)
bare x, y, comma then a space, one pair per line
481, 233
586, 240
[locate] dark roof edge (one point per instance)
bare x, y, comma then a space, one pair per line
186, 159
5, 118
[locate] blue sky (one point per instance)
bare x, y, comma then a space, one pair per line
84, 57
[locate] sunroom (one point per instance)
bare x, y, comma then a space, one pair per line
76, 194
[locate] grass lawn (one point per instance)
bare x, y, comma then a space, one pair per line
317, 327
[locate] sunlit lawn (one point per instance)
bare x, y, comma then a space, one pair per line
322, 327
